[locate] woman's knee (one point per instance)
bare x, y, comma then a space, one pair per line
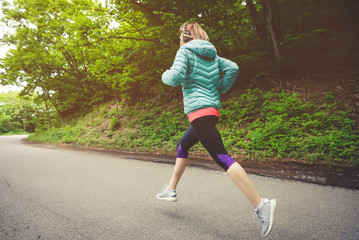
181, 153
225, 161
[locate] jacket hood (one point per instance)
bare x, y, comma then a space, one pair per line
202, 48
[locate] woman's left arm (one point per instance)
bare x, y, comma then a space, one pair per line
177, 73
230, 70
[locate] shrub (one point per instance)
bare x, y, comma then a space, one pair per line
261, 125
282, 125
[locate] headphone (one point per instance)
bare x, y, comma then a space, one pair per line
186, 35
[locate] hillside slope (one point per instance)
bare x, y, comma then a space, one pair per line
256, 125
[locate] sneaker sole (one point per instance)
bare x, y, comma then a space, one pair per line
171, 199
273, 209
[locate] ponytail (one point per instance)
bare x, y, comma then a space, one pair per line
192, 31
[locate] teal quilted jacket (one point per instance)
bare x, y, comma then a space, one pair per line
198, 69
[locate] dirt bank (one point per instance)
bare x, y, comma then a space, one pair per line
336, 176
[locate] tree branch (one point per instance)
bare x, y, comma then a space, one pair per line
132, 25
129, 38
149, 11
138, 39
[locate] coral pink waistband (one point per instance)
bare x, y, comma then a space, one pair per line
203, 112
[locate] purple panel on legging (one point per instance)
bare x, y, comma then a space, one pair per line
226, 159
180, 153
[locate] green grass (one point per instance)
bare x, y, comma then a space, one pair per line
18, 132
258, 125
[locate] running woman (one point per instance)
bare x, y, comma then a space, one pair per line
198, 69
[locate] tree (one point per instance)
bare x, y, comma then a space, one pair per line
76, 54
257, 21
271, 29
49, 56
23, 114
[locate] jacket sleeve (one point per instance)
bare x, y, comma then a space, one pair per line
177, 73
230, 71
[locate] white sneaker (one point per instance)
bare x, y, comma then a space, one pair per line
266, 215
167, 195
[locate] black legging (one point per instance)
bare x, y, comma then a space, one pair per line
204, 130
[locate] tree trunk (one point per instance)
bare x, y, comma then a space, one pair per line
57, 111
276, 19
117, 111
59, 115
23, 124
271, 31
48, 114
259, 25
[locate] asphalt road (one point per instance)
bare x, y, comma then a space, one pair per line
55, 193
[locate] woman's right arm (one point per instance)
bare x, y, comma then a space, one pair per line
177, 73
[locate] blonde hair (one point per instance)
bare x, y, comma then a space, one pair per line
192, 31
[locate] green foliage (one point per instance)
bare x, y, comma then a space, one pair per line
23, 114
150, 127
261, 125
65, 134
76, 54
157, 127
282, 125
114, 123
71, 56
6, 125
48, 57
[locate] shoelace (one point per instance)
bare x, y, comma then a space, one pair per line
259, 216
165, 189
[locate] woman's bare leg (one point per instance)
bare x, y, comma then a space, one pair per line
178, 170
240, 178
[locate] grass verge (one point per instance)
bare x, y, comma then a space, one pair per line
257, 125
